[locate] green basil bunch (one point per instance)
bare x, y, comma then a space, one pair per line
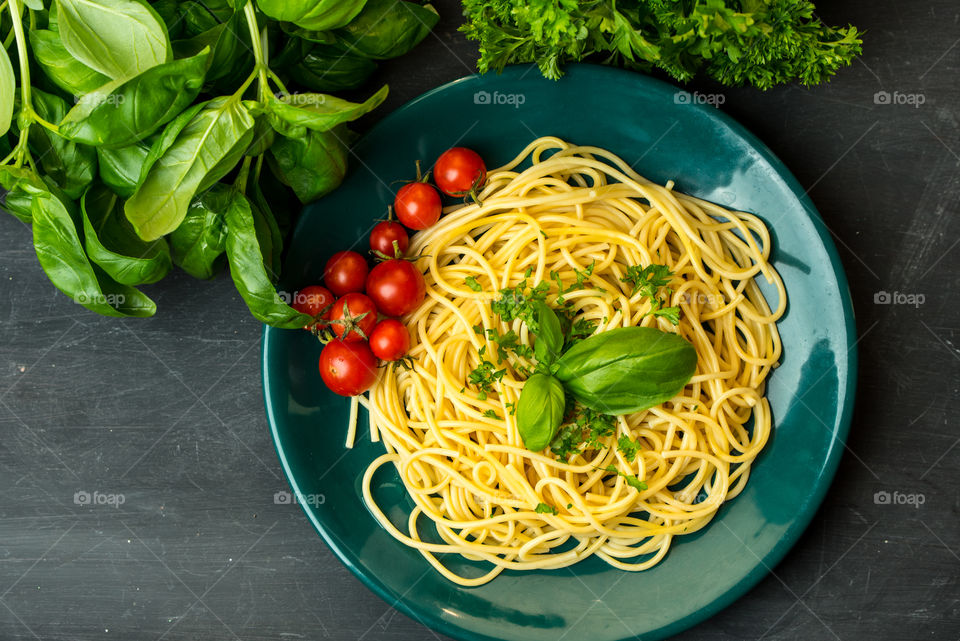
136, 135
620, 371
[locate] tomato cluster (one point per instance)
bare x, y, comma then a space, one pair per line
346, 308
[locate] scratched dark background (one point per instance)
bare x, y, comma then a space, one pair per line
167, 412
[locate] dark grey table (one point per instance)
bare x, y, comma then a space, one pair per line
166, 413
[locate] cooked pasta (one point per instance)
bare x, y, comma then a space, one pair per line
564, 212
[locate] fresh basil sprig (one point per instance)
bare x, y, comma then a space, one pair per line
624, 370
176, 123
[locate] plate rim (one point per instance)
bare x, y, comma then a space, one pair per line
764, 566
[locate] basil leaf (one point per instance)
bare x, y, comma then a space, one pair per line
8, 89
330, 69
268, 232
64, 70
312, 163
198, 243
628, 369
321, 112
263, 135
124, 111
230, 59
202, 16
201, 153
540, 410
387, 29
169, 12
21, 186
318, 15
60, 252
70, 165
248, 273
549, 335
113, 245
120, 167
118, 38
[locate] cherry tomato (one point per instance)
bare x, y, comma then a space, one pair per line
348, 369
312, 301
383, 235
390, 340
459, 171
345, 272
417, 205
351, 312
396, 287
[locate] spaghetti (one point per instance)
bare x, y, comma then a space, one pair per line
575, 211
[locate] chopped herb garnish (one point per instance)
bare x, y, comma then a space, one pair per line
628, 447
648, 281
511, 408
491, 414
517, 302
473, 284
569, 505
672, 314
478, 329
583, 427
528, 273
632, 480
543, 508
484, 376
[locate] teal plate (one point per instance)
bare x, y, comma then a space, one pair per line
657, 128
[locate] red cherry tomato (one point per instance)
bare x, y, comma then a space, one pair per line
312, 301
390, 340
351, 312
345, 272
459, 171
396, 287
383, 235
348, 369
417, 205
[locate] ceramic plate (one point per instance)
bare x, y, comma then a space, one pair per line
665, 135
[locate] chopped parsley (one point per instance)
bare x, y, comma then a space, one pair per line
484, 376
517, 302
473, 284
628, 447
632, 480
491, 414
543, 508
648, 281
581, 276
583, 427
